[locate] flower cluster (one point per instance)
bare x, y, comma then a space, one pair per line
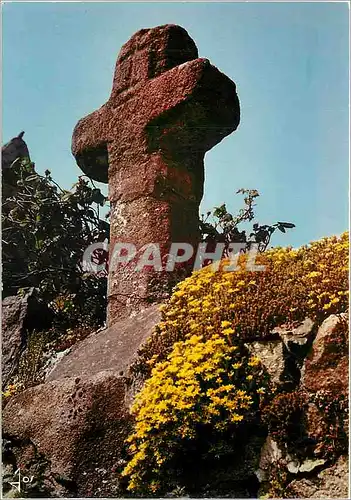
202, 383
310, 281
198, 371
326, 276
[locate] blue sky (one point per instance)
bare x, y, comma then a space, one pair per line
290, 64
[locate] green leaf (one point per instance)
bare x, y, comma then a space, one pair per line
287, 225
220, 211
98, 197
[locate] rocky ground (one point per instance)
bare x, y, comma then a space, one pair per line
69, 431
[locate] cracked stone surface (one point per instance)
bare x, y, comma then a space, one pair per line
111, 349
329, 483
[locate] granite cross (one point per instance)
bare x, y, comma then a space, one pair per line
167, 108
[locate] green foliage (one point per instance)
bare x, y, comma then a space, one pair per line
45, 232
221, 226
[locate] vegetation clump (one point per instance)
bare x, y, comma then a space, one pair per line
45, 231
204, 386
284, 419
201, 383
310, 281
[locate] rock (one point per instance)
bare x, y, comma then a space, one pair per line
332, 482
295, 344
306, 466
7, 476
270, 454
15, 148
326, 368
78, 419
111, 349
325, 380
295, 337
271, 354
20, 316
77, 425
14, 335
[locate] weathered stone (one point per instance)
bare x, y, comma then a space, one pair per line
166, 109
271, 354
327, 366
332, 482
111, 349
296, 342
298, 336
306, 466
41, 484
20, 316
14, 311
77, 425
320, 385
77, 421
270, 454
15, 148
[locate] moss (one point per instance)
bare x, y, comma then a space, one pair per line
284, 417
31, 360
333, 410
276, 482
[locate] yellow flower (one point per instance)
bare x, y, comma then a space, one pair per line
254, 361
228, 331
236, 418
225, 323
313, 274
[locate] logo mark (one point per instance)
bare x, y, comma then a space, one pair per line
23, 479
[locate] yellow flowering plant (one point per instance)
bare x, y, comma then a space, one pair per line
204, 386
309, 281
201, 382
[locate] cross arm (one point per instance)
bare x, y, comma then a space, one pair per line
89, 144
195, 107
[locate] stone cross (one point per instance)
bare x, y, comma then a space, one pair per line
167, 108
